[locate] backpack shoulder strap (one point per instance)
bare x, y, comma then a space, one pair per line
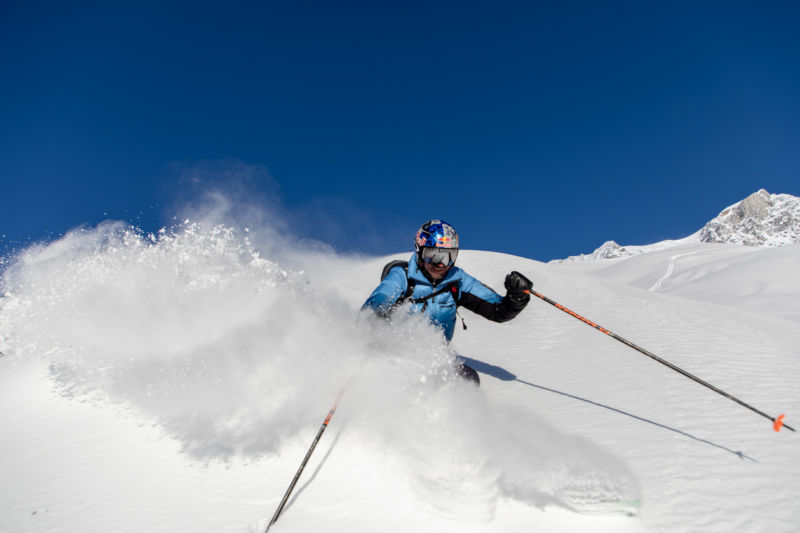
409, 282
452, 287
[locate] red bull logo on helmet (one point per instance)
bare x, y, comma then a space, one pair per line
444, 241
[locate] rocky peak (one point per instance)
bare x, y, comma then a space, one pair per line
761, 219
608, 250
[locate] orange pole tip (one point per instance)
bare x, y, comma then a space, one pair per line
778, 423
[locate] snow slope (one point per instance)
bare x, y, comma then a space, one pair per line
173, 382
745, 278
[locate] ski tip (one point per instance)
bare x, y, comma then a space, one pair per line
777, 423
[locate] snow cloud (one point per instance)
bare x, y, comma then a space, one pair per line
223, 333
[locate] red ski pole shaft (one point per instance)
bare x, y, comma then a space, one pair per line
776, 421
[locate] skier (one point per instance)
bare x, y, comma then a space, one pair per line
434, 286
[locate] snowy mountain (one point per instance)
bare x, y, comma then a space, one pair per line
608, 250
612, 250
761, 219
174, 383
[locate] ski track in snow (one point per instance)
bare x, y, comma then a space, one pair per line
670, 268
194, 372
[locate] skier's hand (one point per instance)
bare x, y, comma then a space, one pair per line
518, 285
517, 295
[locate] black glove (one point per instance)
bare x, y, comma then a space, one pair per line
516, 287
517, 284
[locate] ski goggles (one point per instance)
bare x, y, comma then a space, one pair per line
435, 256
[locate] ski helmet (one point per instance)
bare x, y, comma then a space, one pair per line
436, 241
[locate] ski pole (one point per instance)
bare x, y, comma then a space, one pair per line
305, 461
777, 422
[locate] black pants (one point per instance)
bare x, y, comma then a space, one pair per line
468, 373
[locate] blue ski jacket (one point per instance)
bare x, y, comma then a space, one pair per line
464, 290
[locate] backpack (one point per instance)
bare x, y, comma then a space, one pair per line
410, 282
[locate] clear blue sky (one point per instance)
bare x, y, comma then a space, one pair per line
537, 129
